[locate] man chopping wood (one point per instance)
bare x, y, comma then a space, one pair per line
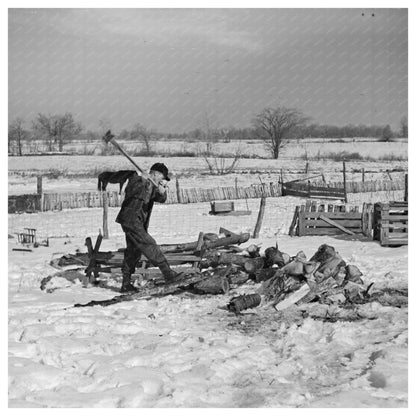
134, 217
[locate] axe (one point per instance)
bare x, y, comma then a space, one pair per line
109, 138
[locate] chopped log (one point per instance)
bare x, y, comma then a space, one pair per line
226, 241
279, 286
264, 274
254, 264
331, 262
218, 283
335, 224
253, 250
215, 258
353, 274
213, 286
274, 256
292, 298
226, 232
323, 253
240, 303
319, 290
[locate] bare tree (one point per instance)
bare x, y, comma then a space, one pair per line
275, 125
143, 134
56, 129
403, 127
17, 135
386, 134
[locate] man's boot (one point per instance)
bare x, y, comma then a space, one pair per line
169, 274
126, 285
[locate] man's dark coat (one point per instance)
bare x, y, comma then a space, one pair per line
140, 195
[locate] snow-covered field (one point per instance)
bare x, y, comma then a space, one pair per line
183, 350
367, 147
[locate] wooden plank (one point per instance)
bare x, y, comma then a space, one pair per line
182, 257
326, 231
335, 215
302, 220
394, 217
295, 219
345, 223
336, 224
401, 236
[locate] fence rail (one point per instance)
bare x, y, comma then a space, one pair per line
94, 199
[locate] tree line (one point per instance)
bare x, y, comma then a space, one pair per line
274, 126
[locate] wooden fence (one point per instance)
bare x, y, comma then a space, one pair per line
308, 190
335, 190
94, 199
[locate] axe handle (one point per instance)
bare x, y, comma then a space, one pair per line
115, 144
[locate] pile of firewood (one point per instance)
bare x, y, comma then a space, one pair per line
219, 264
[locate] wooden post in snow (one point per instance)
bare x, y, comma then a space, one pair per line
363, 175
345, 180
40, 191
281, 181
105, 215
259, 217
178, 191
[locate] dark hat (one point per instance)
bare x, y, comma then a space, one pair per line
161, 167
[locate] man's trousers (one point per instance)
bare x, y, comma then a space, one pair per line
138, 242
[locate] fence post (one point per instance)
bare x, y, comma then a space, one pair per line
281, 181
345, 180
363, 175
178, 191
259, 217
105, 215
40, 191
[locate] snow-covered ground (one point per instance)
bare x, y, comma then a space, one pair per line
183, 350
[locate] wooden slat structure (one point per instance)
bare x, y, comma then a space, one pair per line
307, 190
391, 226
368, 220
326, 219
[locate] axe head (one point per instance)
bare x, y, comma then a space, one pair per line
108, 136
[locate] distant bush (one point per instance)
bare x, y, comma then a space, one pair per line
183, 153
340, 156
143, 152
390, 157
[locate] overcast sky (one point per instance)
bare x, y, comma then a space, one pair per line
173, 69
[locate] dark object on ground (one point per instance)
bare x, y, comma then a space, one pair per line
22, 249
240, 303
119, 177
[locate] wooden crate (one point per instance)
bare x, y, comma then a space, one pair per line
222, 206
343, 219
391, 225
